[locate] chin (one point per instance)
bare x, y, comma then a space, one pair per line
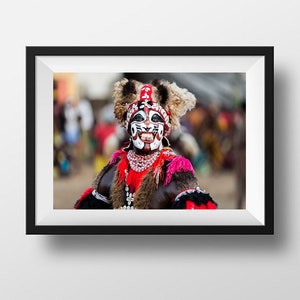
146, 149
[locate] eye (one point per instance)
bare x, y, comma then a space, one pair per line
157, 118
132, 130
138, 118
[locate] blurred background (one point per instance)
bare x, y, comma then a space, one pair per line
213, 135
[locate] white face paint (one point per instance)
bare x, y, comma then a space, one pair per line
147, 130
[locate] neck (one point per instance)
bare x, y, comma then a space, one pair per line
144, 152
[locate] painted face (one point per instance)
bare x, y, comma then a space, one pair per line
147, 130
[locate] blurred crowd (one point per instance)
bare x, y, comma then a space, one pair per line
207, 136
212, 137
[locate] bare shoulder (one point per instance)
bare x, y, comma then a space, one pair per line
105, 179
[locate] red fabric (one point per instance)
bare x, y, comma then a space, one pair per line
146, 92
211, 205
101, 132
124, 163
192, 205
134, 179
87, 192
122, 166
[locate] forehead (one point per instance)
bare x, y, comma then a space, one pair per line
146, 111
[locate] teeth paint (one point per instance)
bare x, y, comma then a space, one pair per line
147, 136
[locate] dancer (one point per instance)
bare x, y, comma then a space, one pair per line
147, 174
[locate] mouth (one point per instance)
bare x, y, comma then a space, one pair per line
146, 137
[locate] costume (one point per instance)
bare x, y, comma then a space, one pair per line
147, 174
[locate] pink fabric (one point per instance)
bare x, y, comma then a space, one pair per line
113, 159
178, 164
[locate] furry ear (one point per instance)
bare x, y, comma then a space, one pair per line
164, 94
162, 90
180, 101
129, 88
155, 82
174, 99
124, 93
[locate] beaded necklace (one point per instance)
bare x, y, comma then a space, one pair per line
140, 163
129, 197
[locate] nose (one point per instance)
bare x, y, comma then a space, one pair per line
146, 128
147, 122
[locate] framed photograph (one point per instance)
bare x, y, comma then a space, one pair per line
69, 93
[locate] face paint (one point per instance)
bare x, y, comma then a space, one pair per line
147, 130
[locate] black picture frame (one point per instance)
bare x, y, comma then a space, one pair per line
34, 53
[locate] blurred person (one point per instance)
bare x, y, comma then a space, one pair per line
147, 174
105, 135
209, 137
240, 156
196, 118
60, 160
72, 132
185, 144
86, 118
114, 141
225, 124
72, 128
59, 118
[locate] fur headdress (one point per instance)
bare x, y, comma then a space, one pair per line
170, 100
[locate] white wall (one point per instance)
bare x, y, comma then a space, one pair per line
149, 267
